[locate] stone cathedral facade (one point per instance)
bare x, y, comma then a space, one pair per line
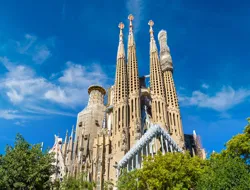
137, 120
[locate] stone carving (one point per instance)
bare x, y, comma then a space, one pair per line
124, 140
165, 57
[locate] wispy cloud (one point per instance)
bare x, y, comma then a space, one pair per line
41, 54
38, 49
205, 86
34, 94
20, 123
74, 83
21, 82
136, 7
12, 114
35, 109
24, 46
221, 101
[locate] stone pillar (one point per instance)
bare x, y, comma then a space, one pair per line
163, 150
166, 142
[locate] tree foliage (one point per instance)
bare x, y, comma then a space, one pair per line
25, 166
225, 173
228, 170
239, 145
76, 183
171, 171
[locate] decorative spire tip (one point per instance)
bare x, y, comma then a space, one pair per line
121, 25
151, 24
130, 17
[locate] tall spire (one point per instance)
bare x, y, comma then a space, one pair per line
153, 47
174, 115
159, 114
72, 132
131, 41
121, 51
121, 92
134, 88
66, 137
70, 144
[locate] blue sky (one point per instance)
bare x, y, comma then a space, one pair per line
51, 51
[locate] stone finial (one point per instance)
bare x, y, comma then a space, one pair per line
151, 24
121, 51
153, 47
121, 26
131, 41
130, 18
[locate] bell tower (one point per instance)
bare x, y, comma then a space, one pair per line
159, 107
171, 96
133, 88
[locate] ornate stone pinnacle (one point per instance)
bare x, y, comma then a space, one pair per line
130, 17
121, 25
151, 24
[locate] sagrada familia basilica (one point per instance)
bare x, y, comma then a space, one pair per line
136, 121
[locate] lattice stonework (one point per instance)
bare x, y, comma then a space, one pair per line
156, 84
133, 88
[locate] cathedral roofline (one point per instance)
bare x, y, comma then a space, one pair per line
97, 87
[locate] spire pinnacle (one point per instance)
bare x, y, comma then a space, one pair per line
131, 36
153, 47
121, 52
130, 18
72, 131
66, 137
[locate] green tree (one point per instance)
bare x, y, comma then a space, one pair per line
172, 171
128, 180
77, 183
225, 173
108, 185
239, 145
25, 166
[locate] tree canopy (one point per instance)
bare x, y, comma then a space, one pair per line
239, 145
228, 170
225, 173
171, 171
25, 166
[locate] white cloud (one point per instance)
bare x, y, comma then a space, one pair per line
205, 86
74, 83
21, 82
222, 101
37, 95
136, 7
